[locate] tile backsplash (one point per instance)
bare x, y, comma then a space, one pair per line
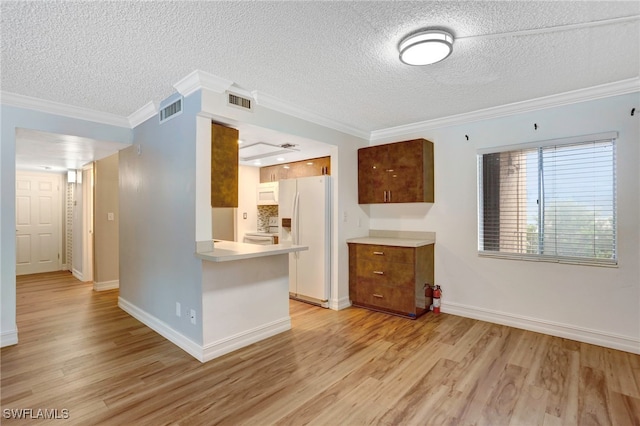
264, 213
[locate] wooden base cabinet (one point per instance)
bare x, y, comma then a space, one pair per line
390, 278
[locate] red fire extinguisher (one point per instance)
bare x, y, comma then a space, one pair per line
437, 293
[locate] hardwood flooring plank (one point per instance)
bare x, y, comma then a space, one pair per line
625, 409
505, 395
530, 407
418, 402
553, 376
619, 373
594, 402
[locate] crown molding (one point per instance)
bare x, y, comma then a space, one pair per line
202, 80
143, 114
617, 88
57, 108
279, 105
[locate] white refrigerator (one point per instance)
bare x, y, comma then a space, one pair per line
304, 212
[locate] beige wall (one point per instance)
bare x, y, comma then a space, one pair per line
106, 241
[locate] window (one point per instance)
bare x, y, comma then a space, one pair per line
552, 201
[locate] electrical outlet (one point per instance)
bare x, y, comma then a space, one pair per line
178, 313
193, 316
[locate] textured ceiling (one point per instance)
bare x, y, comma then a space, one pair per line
336, 59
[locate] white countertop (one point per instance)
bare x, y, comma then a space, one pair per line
224, 251
396, 238
389, 241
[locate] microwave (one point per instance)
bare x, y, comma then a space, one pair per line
267, 194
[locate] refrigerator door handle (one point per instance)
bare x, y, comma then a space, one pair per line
294, 221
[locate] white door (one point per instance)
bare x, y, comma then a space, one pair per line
38, 239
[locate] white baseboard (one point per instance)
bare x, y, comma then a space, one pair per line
240, 340
211, 350
580, 334
77, 274
8, 338
163, 329
65, 267
338, 304
106, 285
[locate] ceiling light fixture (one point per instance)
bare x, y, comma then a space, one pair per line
426, 47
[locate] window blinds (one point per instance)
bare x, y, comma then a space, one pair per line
555, 202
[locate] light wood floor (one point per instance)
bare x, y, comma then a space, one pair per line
78, 351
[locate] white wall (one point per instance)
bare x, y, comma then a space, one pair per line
12, 118
594, 304
248, 179
76, 230
157, 223
106, 231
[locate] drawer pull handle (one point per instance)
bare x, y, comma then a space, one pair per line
378, 253
378, 296
378, 272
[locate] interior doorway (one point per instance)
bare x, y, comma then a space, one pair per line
38, 222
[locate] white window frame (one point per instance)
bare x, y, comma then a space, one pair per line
613, 136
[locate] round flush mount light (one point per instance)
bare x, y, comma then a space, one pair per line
426, 47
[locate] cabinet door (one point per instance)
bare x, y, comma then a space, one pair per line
272, 173
371, 175
266, 174
224, 166
405, 172
323, 165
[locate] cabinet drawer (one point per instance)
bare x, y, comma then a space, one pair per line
386, 253
399, 299
386, 273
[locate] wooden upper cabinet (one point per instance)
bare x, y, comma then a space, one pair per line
224, 166
311, 167
273, 173
400, 172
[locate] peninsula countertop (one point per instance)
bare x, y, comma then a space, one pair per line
225, 251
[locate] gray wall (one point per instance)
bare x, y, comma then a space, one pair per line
157, 221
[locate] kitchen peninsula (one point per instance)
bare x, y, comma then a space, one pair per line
245, 293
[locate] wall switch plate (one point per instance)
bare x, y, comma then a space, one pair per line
193, 316
244, 215
178, 309
110, 216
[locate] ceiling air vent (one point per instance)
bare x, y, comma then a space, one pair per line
239, 101
170, 108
